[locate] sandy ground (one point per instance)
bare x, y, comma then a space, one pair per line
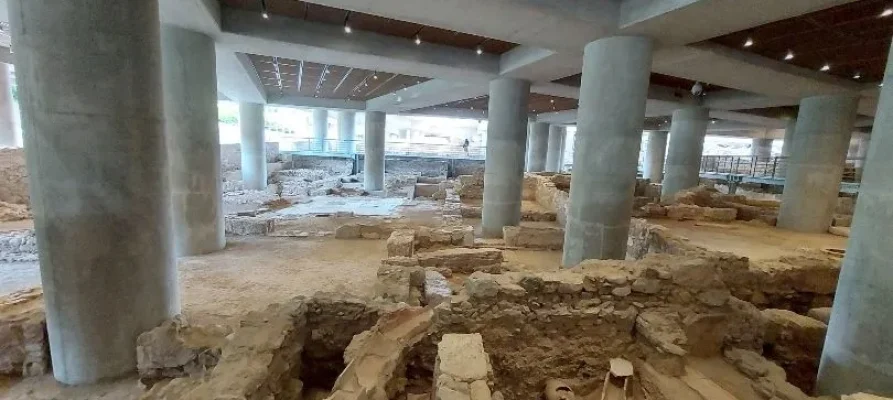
755, 242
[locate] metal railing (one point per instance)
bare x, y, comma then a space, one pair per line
335, 147
768, 168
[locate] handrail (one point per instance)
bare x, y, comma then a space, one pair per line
768, 167
392, 148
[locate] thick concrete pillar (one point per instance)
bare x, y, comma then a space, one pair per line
189, 74
320, 129
654, 156
683, 165
761, 149
816, 164
373, 164
97, 166
553, 156
539, 146
504, 165
786, 146
347, 124
254, 157
7, 119
858, 351
563, 150
858, 149
607, 146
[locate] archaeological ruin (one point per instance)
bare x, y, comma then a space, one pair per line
445, 200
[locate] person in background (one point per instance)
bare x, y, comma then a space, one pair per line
465, 146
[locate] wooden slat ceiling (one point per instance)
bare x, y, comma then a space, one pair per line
302, 78
852, 39
537, 104
373, 23
655, 79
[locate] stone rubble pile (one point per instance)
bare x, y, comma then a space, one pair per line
177, 349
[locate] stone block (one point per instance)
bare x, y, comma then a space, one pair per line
685, 212
437, 288
395, 283
720, 214
534, 238
845, 205
462, 358
822, 314
24, 348
462, 260
469, 211
401, 243
842, 220
177, 349
249, 226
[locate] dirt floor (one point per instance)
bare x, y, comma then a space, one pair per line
755, 242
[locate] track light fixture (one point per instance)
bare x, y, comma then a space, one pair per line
418, 40
263, 9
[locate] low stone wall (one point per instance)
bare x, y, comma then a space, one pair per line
797, 282
470, 187
533, 238
13, 177
550, 197
248, 226
430, 167
332, 165
467, 167
406, 242
231, 155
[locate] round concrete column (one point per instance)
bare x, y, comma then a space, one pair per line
553, 157
7, 120
254, 157
320, 129
563, 149
687, 133
347, 124
786, 146
189, 74
816, 164
539, 145
761, 149
373, 161
606, 149
858, 351
97, 165
504, 166
858, 149
654, 156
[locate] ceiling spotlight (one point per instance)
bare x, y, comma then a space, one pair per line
789, 56
825, 68
713, 121
472, 107
887, 12
418, 40
748, 42
479, 50
880, 84
552, 101
858, 75
264, 14
347, 29
374, 76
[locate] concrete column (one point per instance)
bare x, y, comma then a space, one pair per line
539, 145
654, 156
97, 166
254, 157
563, 149
320, 129
816, 164
858, 351
553, 157
373, 165
687, 133
347, 124
504, 165
7, 118
786, 146
761, 149
858, 149
607, 146
189, 75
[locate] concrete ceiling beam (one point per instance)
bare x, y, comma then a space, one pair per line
315, 102
237, 78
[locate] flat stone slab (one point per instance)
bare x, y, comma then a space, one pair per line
463, 357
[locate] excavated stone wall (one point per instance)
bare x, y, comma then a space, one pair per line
797, 282
568, 324
231, 155
24, 347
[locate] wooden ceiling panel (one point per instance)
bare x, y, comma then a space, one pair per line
373, 23
655, 79
853, 39
308, 79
